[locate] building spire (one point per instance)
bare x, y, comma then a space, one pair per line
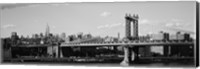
47, 32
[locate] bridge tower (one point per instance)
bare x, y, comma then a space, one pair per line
129, 54
131, 19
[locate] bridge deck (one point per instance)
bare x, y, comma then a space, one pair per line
34, 45
127, 43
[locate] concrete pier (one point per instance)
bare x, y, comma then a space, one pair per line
127, 56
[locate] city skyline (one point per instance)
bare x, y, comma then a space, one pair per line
98, 19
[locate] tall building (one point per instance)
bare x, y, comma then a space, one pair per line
14, 38
41, 35
47, 32
63, 35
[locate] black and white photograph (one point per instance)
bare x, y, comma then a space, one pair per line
111, 34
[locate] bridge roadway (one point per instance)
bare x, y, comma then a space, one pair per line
130, 43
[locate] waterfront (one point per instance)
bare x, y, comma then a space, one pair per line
110, 63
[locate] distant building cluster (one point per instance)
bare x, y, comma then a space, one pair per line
161, 36
47, 38
164, 36
34, 40
78, 37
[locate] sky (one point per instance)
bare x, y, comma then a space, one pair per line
98, 19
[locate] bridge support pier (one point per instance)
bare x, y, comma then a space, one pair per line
127, 56
61, 53
166, 50
134, 53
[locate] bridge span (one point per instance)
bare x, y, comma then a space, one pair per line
128, 43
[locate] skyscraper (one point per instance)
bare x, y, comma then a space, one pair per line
14, 38
63, 35
47, 32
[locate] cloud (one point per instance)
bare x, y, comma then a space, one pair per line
59, 4
179, 25
115, 25
54, 27
150, 32
100, 27
174, 23
105, 14
144, 21
176, 20
169, 24
123, 24
182, 30
8, 26
109, 25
